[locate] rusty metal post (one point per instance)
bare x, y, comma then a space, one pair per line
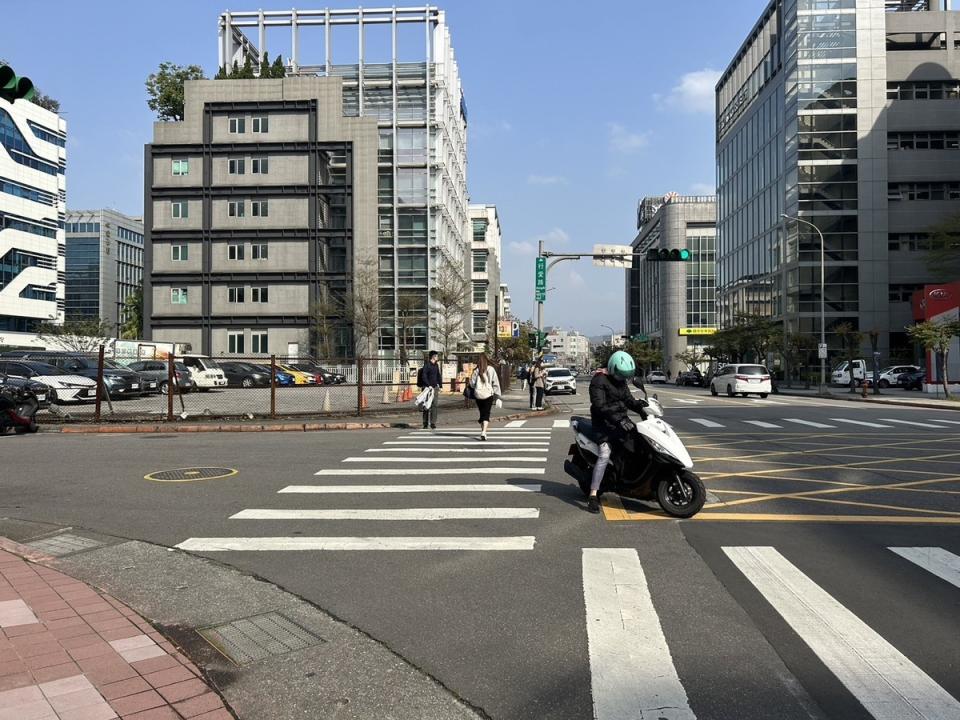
100, 386
273, 386
359, 385
171, 386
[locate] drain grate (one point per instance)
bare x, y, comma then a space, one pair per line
191, 473
64, 544
255, 638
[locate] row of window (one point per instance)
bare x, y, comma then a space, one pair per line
50, 136
129, 235
934, 140
235, 251
238, 125
258, 166
15, 222
19, 149
27, 193
923, 191
903, 292
924, 90
75, 227
237, 346
257, 294
180, 209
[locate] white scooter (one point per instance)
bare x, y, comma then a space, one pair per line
652, 463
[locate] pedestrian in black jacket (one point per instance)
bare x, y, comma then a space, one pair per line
430, 377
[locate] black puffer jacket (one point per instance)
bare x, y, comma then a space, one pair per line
609, 403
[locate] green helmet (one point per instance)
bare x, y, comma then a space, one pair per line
621, 366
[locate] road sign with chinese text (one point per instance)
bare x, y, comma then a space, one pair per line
541, 277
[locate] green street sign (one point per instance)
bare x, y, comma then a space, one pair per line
541, 283
541, 295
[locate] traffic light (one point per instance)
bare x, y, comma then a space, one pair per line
665, 255
14, 88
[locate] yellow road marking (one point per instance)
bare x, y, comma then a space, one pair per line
612, 507
654, 515
838, 466
878, 506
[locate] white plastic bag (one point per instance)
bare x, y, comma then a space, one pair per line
425, 399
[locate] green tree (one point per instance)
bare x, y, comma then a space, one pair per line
221, 73
602, 353
277, 70
76, 335
692, 357
850, 340
265, 65
132, 316
943, 259
246, 72
936, 336
165, 89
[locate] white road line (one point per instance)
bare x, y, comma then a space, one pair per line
561, 423
861, 422
689, 402
951, 422
422, 449
504, 429
808, 422
523, 542
543, 434
945, 565
391, 514
884, 680
435, 471
373, 489
631, 669
444, 460
515, 423
705, 423
761, 423
768, 402
916, 424
474, 442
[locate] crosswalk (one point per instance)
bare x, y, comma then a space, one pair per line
644, 682
510, 457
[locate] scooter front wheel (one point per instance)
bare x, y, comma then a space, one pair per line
682, 494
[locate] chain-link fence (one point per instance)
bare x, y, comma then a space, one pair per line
193, 386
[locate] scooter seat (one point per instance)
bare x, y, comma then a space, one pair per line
584, 425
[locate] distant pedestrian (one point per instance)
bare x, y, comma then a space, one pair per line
524, 375
430, 377
486, 391
532, 390
538, 383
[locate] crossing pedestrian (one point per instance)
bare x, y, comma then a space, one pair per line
486, 391
431, 377
530, 388
538, 383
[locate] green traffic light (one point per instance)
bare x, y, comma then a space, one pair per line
684, 254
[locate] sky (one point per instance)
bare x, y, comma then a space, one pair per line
575, 110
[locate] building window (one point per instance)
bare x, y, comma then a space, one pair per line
260, 124
235, 294
260, 208
903, 293
178, 253
181, 167
179, 208
479, 323
235, 343
259, 294
259, 166
480, 262
259, 251
235, 208
178, 296
235, 166
479, 292
235, 251
260, 342
238, 125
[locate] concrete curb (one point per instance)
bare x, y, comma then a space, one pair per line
858, 398
155, 428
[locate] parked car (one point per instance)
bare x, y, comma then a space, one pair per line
244, 374
912, 380
299, 376
59, 386
559, 380
656, 376
323, 376
40, 391
283, 378
742, 379
120, 382
889, 375
157, 370
690, 377
205, 372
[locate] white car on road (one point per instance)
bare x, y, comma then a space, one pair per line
560, 380
656, 376
63, 386
742, 379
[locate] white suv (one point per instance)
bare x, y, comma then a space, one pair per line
743, 379
560, 380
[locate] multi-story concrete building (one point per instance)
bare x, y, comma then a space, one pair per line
506, 303
485, 271
396, 68
846, 115
32, 206
570, 347
674, 302
104, 264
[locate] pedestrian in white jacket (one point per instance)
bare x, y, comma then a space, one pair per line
486, 391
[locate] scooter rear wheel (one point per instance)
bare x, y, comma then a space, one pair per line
682, 495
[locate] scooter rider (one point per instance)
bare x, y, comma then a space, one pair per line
610, 399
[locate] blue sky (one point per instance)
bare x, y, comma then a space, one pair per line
575, 110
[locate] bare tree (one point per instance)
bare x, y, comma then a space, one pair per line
326, 315
84, 336
450, 296
411, 311
363, 306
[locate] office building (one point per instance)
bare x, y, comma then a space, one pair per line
32, 206
394, 69
845, 114
485, 271
104, 264
674, 303
571, 348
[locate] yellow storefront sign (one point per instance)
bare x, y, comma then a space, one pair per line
698, 331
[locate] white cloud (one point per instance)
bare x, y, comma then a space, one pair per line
622, 140
551, 238
694, 93
703, 189
546, 180
576, 279
522, 248
556, 236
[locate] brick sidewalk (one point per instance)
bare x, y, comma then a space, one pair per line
70, 652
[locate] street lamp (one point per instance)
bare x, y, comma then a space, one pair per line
823, 322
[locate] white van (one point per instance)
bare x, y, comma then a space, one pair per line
205, 372
841, 374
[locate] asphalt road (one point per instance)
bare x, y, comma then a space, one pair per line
783, 598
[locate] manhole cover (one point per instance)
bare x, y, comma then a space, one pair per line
255, 638
64, 544
190, 474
